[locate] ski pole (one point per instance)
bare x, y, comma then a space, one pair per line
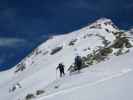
56, 74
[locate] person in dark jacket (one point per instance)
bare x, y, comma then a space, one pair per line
61, 69
78, 63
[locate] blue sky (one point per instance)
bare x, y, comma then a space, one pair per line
24, 24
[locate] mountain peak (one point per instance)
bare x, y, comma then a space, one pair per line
104, 20
104, 23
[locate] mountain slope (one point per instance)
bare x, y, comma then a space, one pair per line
113, 81
37, 70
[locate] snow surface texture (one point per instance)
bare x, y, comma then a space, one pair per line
110, 79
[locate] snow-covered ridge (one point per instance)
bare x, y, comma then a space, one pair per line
37, 70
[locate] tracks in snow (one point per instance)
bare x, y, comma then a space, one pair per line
85, 85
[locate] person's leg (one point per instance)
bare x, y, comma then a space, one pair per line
60, 74
78, 68
63, 73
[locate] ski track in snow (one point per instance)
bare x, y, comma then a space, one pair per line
63, 91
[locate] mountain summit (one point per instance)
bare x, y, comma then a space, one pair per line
104, 23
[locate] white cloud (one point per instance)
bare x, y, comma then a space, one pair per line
10, 42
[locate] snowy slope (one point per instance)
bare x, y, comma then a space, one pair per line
37, 70
110, 80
